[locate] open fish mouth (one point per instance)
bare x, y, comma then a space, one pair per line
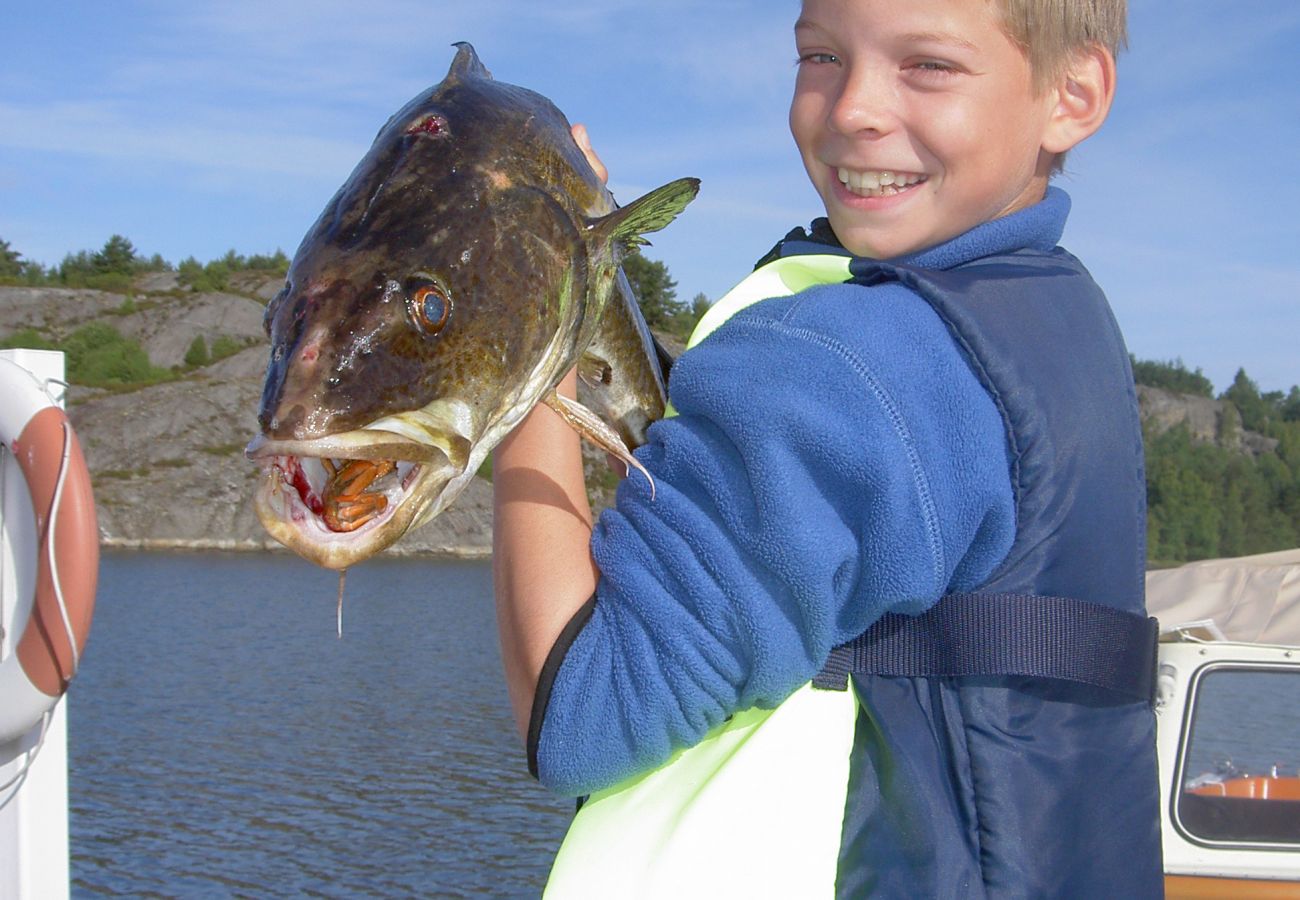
344, 494
338, 499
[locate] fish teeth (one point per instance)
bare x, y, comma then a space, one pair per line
314, 470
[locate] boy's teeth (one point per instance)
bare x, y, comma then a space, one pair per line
877, 184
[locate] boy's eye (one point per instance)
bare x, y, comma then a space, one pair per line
933, 65
817, 58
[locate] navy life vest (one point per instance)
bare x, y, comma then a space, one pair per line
999, 745
1068, 600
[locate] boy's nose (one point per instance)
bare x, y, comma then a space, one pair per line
866, 102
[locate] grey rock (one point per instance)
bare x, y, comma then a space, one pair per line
1207, 421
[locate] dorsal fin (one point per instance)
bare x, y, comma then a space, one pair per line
467, 64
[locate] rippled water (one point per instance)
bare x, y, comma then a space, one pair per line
1246, 722
222, 742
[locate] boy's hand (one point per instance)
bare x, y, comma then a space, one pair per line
584, 144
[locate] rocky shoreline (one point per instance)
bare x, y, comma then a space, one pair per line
167, 460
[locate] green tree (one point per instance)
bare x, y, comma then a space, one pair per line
276, 262
655, 290
1244, 394
1290, 407
1172, 376
687, 317
154, 263
14, 268
11, 261
116, 257
218, 274
198, 277
76, 269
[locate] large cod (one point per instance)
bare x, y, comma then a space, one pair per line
469, 262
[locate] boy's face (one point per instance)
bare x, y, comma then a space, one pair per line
916, 119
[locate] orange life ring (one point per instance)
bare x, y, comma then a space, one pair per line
55, 589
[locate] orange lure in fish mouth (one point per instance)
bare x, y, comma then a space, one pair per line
354, 493
343, 495
336, 508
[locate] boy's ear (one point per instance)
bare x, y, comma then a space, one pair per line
1083, 95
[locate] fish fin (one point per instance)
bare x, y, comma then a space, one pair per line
647, 213
593, 428
467, 64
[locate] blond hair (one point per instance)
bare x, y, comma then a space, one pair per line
1049, 32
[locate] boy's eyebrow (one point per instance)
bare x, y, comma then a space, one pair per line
938, 37
913, 37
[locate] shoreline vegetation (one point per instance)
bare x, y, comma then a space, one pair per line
166, 363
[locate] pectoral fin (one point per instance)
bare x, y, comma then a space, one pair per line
594, 429
647, 213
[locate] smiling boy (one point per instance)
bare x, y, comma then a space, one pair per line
919, 121
906, 461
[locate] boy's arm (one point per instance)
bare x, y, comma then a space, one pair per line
541, 532
834, 458
541, 535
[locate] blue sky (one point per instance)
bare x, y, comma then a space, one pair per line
194, 128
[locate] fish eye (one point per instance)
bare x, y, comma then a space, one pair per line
430, 306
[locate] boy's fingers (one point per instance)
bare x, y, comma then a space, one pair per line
584, 144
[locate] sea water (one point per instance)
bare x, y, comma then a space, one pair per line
224, 742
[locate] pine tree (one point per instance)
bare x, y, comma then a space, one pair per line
117, 257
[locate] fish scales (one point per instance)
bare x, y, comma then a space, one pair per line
469, 261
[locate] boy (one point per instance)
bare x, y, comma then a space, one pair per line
905, 457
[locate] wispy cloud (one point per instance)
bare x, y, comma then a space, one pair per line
201, 126
98, 130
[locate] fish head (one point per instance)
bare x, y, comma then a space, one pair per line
439, 295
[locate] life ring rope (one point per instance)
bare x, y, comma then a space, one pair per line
54, 563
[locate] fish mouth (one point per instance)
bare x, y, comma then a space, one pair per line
340, 499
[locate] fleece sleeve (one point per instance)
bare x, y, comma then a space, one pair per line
833, 458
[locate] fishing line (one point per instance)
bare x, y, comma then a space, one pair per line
338, 611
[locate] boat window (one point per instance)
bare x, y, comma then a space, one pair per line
1241, 768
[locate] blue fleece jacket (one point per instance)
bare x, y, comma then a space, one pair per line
834, 458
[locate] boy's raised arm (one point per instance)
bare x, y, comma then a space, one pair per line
541, 537
541, 532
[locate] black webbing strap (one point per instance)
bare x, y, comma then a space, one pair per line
1006, 634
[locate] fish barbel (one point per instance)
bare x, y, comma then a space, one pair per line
469, 261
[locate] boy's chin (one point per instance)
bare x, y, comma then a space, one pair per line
871, 243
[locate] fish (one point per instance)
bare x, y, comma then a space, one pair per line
470, 260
